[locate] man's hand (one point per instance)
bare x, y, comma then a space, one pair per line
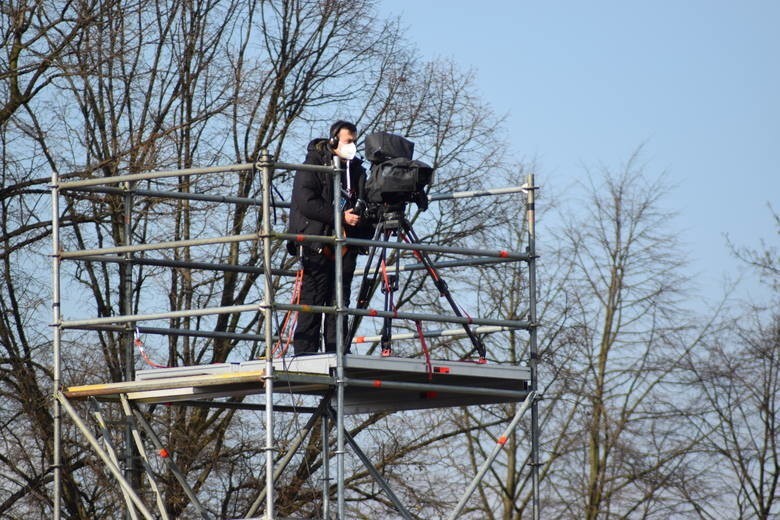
351, 218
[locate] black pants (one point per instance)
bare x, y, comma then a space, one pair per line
319, 288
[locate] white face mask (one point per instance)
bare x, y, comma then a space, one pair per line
347, 151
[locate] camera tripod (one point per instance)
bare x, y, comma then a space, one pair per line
393, 222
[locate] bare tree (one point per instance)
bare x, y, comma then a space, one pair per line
168, 84
629, 331
35, 37
612, 332
736, 382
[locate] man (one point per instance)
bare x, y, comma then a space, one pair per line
312, 214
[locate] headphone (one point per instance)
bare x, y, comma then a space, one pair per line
335, 128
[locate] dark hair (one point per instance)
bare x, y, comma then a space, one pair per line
336, 127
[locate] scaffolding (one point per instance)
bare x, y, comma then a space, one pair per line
340, 383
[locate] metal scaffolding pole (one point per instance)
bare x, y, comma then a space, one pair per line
159, 245
424, 387
340, 347
132, 472
532, 342
465, 262
493, 454
124, 255
113, 468
186, 172
177, 332
412, 316
108, 445
169, 463
449, 333
268, 307
56, 340
376, 475
292, 448
326, 460
409, 246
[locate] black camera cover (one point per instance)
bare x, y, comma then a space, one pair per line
395, 176
382, 146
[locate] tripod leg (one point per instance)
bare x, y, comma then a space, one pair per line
370, 279
389, 288
441, 285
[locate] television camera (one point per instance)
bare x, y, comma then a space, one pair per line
396, 178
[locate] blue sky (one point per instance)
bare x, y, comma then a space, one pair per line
696, 83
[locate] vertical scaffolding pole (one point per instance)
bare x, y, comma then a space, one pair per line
56, 355
267, 167
132, 473
532, 342
325, 465
339, 249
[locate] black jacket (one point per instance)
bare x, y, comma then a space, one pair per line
311, 210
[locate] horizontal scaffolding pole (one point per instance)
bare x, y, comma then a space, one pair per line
453, 333
465, 262
234, 405
431, 387
249, 201
186, 172
417, 246
175, 332
78, 324
375, 313
160, 245
449, 333
476, 193
158, 262
501, 253
118, 179
161, 194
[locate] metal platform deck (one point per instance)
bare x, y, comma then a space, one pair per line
371, 383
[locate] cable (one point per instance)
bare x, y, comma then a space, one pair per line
138, 342
287, 330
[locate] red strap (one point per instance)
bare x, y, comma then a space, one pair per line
138, 342
287, 330
428, 366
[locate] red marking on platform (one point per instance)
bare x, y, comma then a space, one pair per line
299, 238
164, 453
502, 440
377, 383
372, 312
503, 253
360, 339
441, 370
430, 395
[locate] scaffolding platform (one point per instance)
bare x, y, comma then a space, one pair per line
372, 383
